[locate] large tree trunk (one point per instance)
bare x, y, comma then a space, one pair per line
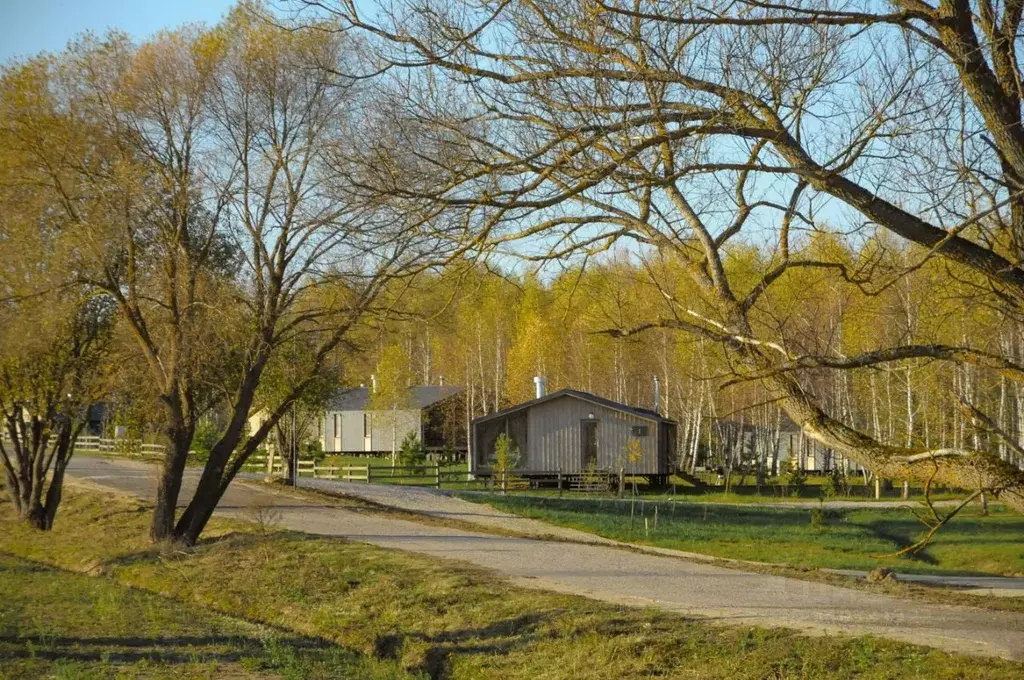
208, 490
168, 484
218, 473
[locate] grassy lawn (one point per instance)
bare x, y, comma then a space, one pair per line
251, 602
846, 539
689, 494
61, 624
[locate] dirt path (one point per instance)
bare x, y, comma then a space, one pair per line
631, 578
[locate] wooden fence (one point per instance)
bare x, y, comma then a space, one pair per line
429, 474
125, 447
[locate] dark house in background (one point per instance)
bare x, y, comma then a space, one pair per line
571, 432
435, 413
97, 418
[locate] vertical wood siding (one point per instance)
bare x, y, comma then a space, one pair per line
555, 441
554, 438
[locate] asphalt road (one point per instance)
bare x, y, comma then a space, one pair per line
620, 576
427, 501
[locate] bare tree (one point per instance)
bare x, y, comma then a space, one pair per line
687, 129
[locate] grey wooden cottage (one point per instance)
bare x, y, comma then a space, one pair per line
433, 412
572, 432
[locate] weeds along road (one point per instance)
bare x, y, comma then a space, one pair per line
606, 573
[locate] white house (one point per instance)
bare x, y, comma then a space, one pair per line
433, 412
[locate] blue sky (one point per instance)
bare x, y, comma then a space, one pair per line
30, 26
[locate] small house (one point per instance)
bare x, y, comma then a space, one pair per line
572, 432
779, 446
434, 413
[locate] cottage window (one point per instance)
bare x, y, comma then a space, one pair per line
517, 427
513, 425
639, 431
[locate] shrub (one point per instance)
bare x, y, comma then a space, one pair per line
449, 455
412, 452
312, 448
203, 441
795, 479
817, 519
834, 484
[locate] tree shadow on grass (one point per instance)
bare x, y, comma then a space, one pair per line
235, 540
499, 637
21, 567
172, 649
900, 535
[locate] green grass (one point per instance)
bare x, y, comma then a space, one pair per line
847, 539
775, 490
385, 613
61, 624
688, 494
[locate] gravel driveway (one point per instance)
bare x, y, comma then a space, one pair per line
620, 576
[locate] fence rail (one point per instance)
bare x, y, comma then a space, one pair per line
430, 474
127, 447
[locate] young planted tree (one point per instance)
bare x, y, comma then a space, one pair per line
412, 452
300, 427
505, 459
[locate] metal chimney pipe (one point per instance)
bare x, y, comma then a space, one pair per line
539, 384
657, 394
373, 381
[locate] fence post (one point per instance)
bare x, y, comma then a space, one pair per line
622, 482
906, 489
314, 468
559, 482
878, 487
369, 473
437, 474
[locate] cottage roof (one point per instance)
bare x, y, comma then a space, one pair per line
420, 396
585, 396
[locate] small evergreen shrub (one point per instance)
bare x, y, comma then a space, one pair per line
795, 480
412, 453
834, 485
